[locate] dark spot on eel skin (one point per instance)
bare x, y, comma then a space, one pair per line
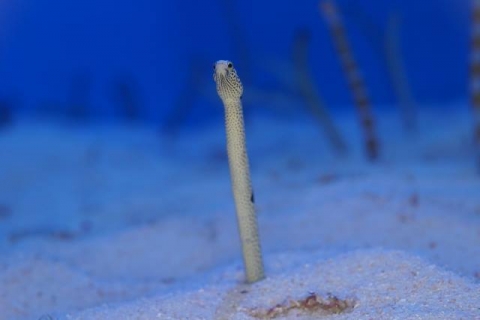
252, 198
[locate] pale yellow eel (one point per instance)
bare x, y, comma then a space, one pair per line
230, 90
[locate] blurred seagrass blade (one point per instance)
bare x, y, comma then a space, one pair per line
79, 98
125, 95
309, 93
387, 44
355, 81
190, 92
475, 77
6, 113
398, 75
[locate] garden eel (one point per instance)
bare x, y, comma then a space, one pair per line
230, 90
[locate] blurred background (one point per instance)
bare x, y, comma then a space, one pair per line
151, 61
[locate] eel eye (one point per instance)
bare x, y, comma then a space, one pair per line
230, 65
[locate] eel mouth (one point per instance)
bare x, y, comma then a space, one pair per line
221, 77
221, 70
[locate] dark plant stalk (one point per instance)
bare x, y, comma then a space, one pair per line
352, 73
387, 45
310, 95
399, 76
475, 77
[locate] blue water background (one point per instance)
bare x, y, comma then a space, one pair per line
56, 55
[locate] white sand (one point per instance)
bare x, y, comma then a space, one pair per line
377, 284
116, 223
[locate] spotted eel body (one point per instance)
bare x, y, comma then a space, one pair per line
230, 90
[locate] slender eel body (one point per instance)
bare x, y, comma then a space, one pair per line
230, 90
352, 73
475, 77
310, 94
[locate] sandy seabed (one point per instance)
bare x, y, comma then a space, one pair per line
112, 222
